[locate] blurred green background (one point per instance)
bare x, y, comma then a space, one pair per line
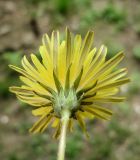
116, 24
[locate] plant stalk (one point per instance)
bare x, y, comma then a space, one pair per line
62, 142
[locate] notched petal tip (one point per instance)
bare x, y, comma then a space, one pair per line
67, 29
120, 54
10, 66
90, 33
11, 89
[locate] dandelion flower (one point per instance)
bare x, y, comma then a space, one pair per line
71, 82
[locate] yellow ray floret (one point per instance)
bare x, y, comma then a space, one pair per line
71, 75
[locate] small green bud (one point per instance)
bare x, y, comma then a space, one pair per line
68, 101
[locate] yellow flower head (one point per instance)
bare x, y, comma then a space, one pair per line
71, 75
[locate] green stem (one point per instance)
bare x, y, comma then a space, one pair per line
62, 142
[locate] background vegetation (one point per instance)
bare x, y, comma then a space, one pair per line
116, 24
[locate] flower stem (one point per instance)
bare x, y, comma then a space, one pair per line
62, 142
